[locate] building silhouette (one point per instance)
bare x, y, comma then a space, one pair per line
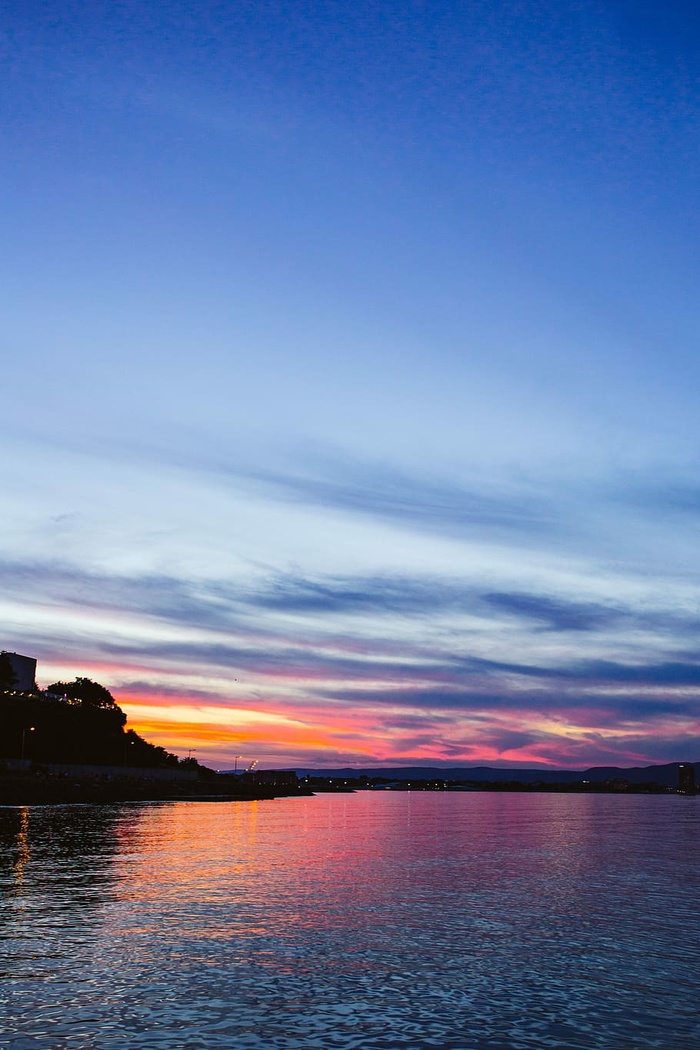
24, 669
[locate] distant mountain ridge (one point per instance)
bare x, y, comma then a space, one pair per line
666, 775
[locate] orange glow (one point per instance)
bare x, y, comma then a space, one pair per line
279, 716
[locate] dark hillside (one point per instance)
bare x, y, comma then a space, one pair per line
48, 729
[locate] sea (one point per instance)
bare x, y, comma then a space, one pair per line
368, 921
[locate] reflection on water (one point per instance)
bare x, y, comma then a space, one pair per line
56, 872
356, 922
22, 854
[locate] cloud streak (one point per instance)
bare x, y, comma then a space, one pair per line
317, 650
218, 604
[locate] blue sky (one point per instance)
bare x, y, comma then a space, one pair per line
350, 369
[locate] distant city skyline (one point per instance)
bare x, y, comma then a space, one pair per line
350, 371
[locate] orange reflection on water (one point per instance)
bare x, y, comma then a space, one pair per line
23, 852
188, 846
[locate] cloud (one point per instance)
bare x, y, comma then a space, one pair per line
503, 510
372, 664
425, 596
669, 498
407, 499
220, 604
314, 625
555, 614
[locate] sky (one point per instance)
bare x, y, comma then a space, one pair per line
350, 358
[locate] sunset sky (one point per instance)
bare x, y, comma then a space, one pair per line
350, 374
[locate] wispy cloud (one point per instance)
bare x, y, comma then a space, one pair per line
217, 603
469, 664
411, 500
369, 665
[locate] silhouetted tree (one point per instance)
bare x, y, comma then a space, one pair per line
86, 691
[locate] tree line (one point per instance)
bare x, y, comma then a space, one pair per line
75, 722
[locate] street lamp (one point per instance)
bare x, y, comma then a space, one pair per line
235, 762
189, 751
27, 729
128, 742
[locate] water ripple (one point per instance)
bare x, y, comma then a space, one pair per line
362, 922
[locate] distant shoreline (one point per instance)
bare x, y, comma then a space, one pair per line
32, 790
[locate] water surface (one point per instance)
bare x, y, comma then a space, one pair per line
374, 921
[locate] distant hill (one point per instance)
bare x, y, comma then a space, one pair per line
666, 775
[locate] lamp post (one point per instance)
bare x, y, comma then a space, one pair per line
128, 741
189, 752
235, 762
27, 729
